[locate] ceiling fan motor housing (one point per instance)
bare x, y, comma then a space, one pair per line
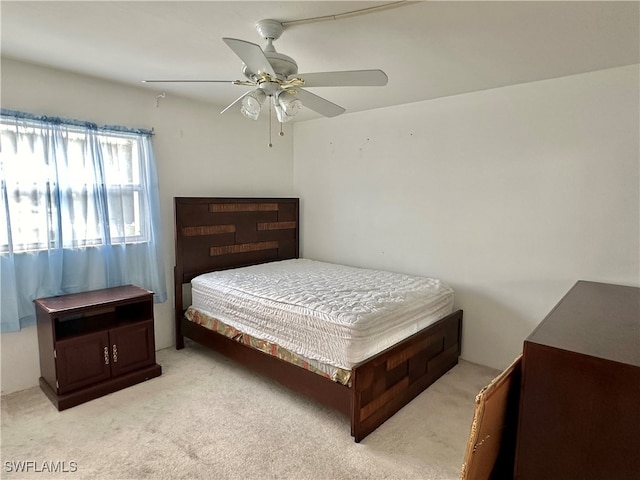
283, 65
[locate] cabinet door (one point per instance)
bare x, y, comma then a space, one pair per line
82, 361
132, 347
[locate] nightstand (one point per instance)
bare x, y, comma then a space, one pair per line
95, 343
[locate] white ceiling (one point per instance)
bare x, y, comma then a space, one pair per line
428, 49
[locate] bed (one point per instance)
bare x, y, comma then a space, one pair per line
226, 247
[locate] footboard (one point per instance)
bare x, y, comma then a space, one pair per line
383, 384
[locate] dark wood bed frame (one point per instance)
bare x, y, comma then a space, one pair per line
221, 233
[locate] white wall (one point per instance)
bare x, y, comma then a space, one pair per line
198, 152
511, 195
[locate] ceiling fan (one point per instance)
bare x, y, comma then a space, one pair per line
276, 79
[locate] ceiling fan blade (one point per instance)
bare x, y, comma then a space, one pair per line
187, 81
252, 56
348, 78
237, 100
318, 104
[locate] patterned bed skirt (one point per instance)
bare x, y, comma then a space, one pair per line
207, 321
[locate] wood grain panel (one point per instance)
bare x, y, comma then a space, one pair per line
406, 354
243, 207
207, 230
383, 399
264, 226
404, 374
242, 248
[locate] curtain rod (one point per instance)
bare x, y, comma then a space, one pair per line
73, 123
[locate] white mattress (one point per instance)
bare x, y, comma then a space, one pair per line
335, 314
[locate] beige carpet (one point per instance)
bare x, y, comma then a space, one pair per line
208, 418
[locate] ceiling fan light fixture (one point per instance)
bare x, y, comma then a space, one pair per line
287, 105
252, 104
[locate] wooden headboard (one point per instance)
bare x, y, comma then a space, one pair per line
220, 233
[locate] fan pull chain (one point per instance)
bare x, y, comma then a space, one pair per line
270, 144
281, 132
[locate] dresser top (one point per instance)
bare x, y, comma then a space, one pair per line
595, 319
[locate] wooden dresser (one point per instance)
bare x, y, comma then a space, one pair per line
580, 392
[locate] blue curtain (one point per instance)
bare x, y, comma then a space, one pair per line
79, 210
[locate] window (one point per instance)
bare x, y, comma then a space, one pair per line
42, 192
79, 208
